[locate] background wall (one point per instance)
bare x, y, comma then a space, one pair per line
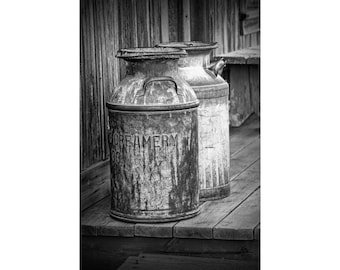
107, 25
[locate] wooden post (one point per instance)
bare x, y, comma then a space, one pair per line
165, 21
186, 20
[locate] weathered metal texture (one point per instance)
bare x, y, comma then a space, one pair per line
213, 118
153, 138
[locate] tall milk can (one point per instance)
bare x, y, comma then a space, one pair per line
153, 139
213, 116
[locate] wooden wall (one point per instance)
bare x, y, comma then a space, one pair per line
106, 26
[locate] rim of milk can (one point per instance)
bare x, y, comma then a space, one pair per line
149, 53
189, 45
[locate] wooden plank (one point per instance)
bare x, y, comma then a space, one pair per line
224, 45
173, 21
257, 232
232, 25
244, 158
240, 99
254, 81
230, 18
251, 19
155, 19
95, 184
249, 55
161, 261
161, 230
143, 23
229, 249
127, 29
251, 25
237, 25
92, 114
102, 252
116, 46
219, 26
239, 139
101, 72
197, 22
98, 217
82, 83
240, 224
186, 20
253, 122
213, 212
164, 21
253, 39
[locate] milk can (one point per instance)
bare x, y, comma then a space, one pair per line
153, 137
213, 116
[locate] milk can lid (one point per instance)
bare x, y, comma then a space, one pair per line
137, 54
189, 45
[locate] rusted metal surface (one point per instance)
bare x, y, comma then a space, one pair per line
153, 138
213, 116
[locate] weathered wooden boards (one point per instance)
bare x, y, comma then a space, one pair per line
97, 222
161, 261
95, 184
240, 97
240, 224
242, 73
248, 56
250, 22
214, 220
101, 252
254, 82
213, 212
242, 136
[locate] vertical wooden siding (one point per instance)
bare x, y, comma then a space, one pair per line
107, 25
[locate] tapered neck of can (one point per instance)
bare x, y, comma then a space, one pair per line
154, 67
196, 59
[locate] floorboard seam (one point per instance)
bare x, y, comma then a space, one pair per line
238, 151
233, 210
238, 174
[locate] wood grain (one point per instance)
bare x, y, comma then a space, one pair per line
254, 80
110, 252
244, 158
241, 137
98, 217
240, 224
240, 99
164, 21
214, 211
186, 20
95, 184
155, 230
162, 261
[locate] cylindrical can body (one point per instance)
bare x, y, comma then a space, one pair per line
213, 118
153, 140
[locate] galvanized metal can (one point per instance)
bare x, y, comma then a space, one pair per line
153, 137
213, 116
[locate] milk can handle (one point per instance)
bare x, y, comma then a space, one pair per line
159, 79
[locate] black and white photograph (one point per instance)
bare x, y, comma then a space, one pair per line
170, 134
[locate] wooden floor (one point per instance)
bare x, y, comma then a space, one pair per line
170, 262
235, 219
